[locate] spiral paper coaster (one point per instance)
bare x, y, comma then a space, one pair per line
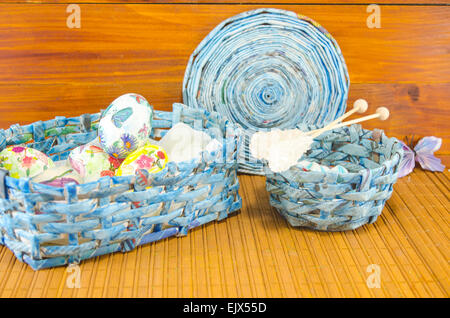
268, 68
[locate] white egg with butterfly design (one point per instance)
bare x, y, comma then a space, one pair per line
125, 125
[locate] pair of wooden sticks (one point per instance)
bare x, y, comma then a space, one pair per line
359, 106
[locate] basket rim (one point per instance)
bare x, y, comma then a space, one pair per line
230, 128
397, 152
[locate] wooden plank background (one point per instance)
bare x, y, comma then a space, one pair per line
296, 2
47, 69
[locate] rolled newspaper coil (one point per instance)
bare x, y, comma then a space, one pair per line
265, 69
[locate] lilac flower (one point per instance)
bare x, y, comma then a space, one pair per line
129, 142
116, 152
423, 153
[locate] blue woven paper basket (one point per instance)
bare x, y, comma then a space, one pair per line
47, 226
267, 68
331, 201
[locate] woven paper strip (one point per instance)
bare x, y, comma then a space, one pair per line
47, 226
332, 201
267, 68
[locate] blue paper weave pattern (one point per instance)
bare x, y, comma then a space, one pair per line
331, 201
47, 226
267, 68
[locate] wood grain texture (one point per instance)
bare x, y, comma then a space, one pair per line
415, 109
255, 253
412, 45
238, 2
420, 110
47, 69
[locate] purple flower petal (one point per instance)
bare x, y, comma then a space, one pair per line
60, 182
77, 166
430, 162
425, 149
18, 149
428, 145
408, 163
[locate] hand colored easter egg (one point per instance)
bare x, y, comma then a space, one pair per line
23, 162
92, 162
59, 176
125, 125
150, 157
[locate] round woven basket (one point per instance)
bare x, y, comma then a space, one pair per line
264, 69
331, 201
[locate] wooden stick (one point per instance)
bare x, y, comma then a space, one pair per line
360, 106
382, 113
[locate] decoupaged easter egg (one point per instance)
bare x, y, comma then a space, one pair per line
150, 157
23, 162
59, 176
91, 162
125, 125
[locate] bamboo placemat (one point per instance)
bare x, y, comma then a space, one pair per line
256, 254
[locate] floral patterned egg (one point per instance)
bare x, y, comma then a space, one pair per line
91, 162
59, 176
23, 162
125, 125
150, 157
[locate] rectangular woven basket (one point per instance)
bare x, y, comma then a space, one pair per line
47, 226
